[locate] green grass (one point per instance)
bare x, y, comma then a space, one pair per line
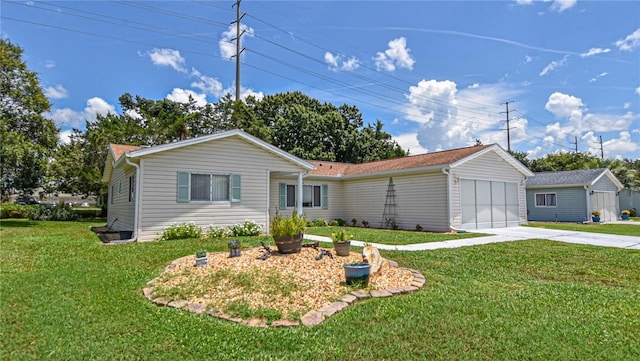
392, 237
613, 228
65, 296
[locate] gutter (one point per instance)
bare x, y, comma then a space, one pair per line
134, 236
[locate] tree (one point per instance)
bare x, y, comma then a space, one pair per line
28, 138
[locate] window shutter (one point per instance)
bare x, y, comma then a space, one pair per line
183, 187
283, 196
325, 196
236, 188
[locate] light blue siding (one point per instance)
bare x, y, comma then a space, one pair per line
571, 205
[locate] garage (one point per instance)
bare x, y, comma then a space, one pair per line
605, 202
489, 204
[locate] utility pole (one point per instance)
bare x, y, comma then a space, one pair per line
508, 128
601, 149
575, 142
239, 50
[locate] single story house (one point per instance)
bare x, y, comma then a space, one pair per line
571, 196
229, 177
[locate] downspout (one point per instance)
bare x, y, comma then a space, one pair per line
589, 205
444, 171
134, 236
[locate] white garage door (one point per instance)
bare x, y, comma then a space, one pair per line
489, 204
605, 202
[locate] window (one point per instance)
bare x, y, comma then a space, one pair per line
313, 196
208, 187
132, 188
545, 199
113, 193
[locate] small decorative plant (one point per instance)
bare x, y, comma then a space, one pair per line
288, 226
201, 254
596, 213
626, 212
341, 236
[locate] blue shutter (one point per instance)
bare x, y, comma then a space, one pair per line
236, 188
183, 187
325, 196
283, 196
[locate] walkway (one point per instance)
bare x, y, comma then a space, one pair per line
512, 234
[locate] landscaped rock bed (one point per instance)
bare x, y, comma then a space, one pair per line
283, 290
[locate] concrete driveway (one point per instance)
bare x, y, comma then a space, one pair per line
513, 234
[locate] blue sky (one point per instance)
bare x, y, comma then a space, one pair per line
436, 73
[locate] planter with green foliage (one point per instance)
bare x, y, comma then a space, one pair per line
342, 242
287, 232
201, 259
595, 216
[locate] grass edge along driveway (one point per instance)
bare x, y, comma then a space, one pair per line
65, 296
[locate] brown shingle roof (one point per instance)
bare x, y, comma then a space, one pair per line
119, 149
415, 161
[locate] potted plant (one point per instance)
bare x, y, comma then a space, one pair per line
342, 242
201, 258
625, 214
357, 273
595, 216
287, 232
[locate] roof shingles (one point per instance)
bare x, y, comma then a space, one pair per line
410, 162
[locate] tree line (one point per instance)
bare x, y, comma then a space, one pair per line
32, 157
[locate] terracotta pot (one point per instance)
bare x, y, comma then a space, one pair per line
289, 244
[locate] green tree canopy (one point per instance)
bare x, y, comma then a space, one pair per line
292, 121
28, 139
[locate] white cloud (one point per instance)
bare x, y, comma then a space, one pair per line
474, 86
564, 106
524, 2
629, 43
595, 51
554, 65
69, 118
244, 93
227, 42
410, 143
627, 105
451, 118
64, 137
206, 83
168, 57
562, 5
528, 59
598, 76
66, 117
182, 96
638, 90
59, 92
336, 62
49, 64
97, 106
396, 56
612, 148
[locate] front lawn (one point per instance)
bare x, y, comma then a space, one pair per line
66, 296
611, 228
391, 237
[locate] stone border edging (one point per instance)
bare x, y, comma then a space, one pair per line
311, 318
